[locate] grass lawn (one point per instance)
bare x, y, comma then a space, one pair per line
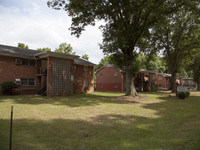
101, 121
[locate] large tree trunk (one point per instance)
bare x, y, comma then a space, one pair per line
130, 87
173, 73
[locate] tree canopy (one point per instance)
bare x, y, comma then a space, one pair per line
65, 48
127, 22
85, 56
22, 45
44, 49
176, 37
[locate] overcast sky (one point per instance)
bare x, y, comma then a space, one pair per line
33, 23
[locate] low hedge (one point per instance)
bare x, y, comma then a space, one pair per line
7, 87
183, 95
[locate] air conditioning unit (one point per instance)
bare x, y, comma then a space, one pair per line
18, 81
18, 61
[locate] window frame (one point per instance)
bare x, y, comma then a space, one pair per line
115, 85
28, 62
28, 81
101, 85
115, 74
85, 83
101, 74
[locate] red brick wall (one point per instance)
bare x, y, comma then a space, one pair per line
160, 81
9, 71
80, 75
108, 79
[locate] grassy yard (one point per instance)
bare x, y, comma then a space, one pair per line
102, 121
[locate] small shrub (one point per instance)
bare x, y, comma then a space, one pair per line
181, 95
7, 87
187, 94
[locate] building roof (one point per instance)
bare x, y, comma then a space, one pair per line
17, 52
164, 74
46, 54
106, 66
80, 61
146, 71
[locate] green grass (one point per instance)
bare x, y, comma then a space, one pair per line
101, 121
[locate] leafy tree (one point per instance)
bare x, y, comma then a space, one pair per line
22, 45
65, 48
44, 49
154, 62
195, 67
104, 61
126, 23
176, 36
85, 56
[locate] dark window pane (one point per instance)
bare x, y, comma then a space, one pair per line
31, 81
31, 62
115, 85
24, 81
25, 62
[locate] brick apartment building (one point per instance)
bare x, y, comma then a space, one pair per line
110, 78
163, 81
49, 72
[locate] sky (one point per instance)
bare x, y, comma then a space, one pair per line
32, 22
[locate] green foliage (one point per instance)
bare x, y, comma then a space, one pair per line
44, 49
65, 48
154, 62
195, 67
181, 95
104, 61
127, 22
85, 56
176, 36
7, 87
22, 45
187, 94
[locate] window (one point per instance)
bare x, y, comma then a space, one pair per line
31, 62
115, 74
27, 62
85, 68
115, 85
101, 85
160, 78
85, 83
101, 74
31, 81
28, 81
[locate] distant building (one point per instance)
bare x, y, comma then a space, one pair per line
111, 78
45, 72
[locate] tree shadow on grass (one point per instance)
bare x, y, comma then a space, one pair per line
173, 124
78, 100
102, 132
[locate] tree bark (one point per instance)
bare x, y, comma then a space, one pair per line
130, 87
173, 73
